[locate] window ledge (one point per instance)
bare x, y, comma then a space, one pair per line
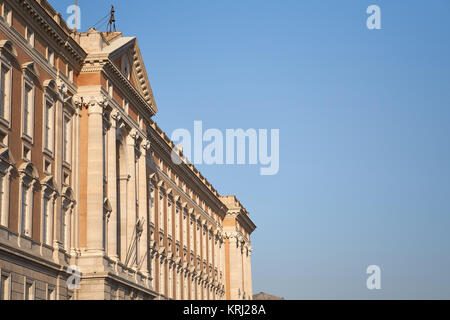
27, 138
48, 153
5, 122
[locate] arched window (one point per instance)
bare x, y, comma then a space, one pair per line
28, 178
6, 166
67, 219
49, 196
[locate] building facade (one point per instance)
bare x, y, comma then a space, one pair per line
92, 205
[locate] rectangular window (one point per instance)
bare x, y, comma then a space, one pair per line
5, 92
70, 73
191, 235
7, 14
49, 119
29, 35
110, 88
51, 293
51, 57
177, 224
185, 229
26, 209
169, 218
161, 210
28, 101
29, 290
45, 221
67, 139
5, 287
63, 227
152, 204
2, 195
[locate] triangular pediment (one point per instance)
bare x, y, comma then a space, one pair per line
124, 52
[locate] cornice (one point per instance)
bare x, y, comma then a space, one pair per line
49, 29
187, 173
36, 56
95, 63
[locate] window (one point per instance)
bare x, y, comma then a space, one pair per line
3, 138
51, 293
49, 120
2, 196
26, 153
70, 73
185, 217
191, 235
162, 289
51, 56
67, 139
110, 88
126, 105
161, 212
46, 215
47, 167
7, 14
152, 204
29, 35
28, 103
29, 290
5, 92
169, 218
65, 234
26, 210
5, 287
177, 223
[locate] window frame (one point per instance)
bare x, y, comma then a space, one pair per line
25, 219
48, 144
26, 294
5, 118
30, 36
28, 82
67, 145
6, 13
6, 274
5, 176
50, 56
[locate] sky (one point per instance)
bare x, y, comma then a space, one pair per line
363, 116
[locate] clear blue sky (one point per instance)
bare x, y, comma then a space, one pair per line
364, 119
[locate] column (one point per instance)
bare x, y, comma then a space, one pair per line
143, 209
112, 185
131, 214
95, 195
249, 274
56, 205
75, 176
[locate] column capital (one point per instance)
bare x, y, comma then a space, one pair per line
132, 137
145, 145
95, 103
115, 116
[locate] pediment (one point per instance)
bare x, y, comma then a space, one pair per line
31, 67
6, 155
127, 57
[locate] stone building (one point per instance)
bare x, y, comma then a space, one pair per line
91, 204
